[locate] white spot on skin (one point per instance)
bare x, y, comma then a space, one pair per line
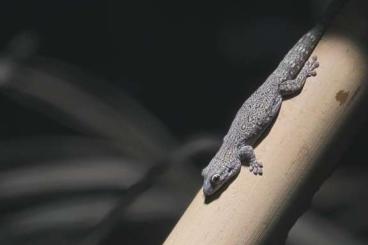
243, 126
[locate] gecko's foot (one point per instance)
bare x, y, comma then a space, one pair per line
256, 168
312, 65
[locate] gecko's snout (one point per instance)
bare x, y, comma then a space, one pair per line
214, 180
208, 188
211, 184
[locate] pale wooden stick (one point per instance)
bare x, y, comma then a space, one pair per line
259, 209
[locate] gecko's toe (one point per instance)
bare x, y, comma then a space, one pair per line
257, 171
256, 168
315, 65
312, 74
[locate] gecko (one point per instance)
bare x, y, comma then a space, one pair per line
260, 110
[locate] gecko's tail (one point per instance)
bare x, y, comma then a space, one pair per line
302, 50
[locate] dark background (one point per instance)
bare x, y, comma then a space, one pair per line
187, 64
190, 63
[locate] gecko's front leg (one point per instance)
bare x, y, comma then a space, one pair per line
246, 154
290, 87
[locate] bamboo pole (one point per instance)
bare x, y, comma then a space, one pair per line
261, 209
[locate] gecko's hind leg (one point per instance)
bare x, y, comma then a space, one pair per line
290, 87
246, 154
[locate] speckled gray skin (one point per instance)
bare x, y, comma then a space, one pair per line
259, 110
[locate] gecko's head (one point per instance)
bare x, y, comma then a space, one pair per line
217, 174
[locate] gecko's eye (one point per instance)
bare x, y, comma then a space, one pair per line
215, 179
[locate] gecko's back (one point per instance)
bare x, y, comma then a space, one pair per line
252, 116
